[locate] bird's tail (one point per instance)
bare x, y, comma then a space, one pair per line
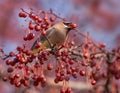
43, 46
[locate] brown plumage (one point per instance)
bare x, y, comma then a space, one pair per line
56, 34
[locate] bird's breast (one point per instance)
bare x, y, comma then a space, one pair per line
58, 37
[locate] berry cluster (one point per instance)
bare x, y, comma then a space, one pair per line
38, 22
88, 59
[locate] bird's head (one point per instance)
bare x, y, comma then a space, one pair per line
65, 26
69, 25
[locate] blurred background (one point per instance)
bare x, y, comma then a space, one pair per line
101, 18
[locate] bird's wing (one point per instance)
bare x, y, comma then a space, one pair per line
42, 38
48, 34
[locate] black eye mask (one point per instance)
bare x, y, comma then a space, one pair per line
67, 23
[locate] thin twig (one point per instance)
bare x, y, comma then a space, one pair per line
51, 12
24, 10
76, 53
77, 30
107, 85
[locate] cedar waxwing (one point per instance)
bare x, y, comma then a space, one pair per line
56, 35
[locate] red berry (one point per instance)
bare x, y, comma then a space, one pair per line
49, 66
58, 54
19, 48
8, 62
1, 50
26, 78
35, 83
12, 82
37, 28
17, 84
98, 68
69, 71
31, 26
82, 73
22, 14
84, 63
22, 81
71, 62
73, 25
117, 75
30, 36
67, 78
43, 26
17, 75
11, 76
52, 19
39, 20
25, 38
11, 54
41, 77
38, 45
31, 15
20, 66
72, 43
43, 81
10, 70
26, 83
58, 75
74, 74
34, 77
4, 78
36, 18
68, 90
62, 90
13, 63
43, 33
93, 82
102, 45
45, 18
56, 80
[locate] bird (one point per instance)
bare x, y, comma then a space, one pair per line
55, 35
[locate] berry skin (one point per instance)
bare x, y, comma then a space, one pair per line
68, 90
38, 45
11, 54
19, 48
43, 26
62, 90
74, 74
10, 70
43, 33
71, 62
4, 78
36, 18
58, 54
39, 20
37, 28
49, 66
8, 62
69, 71
25, 38
73, 25
31, 26
31, 15
93, 82
52, 19
30, 36
22, 14
82, 73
